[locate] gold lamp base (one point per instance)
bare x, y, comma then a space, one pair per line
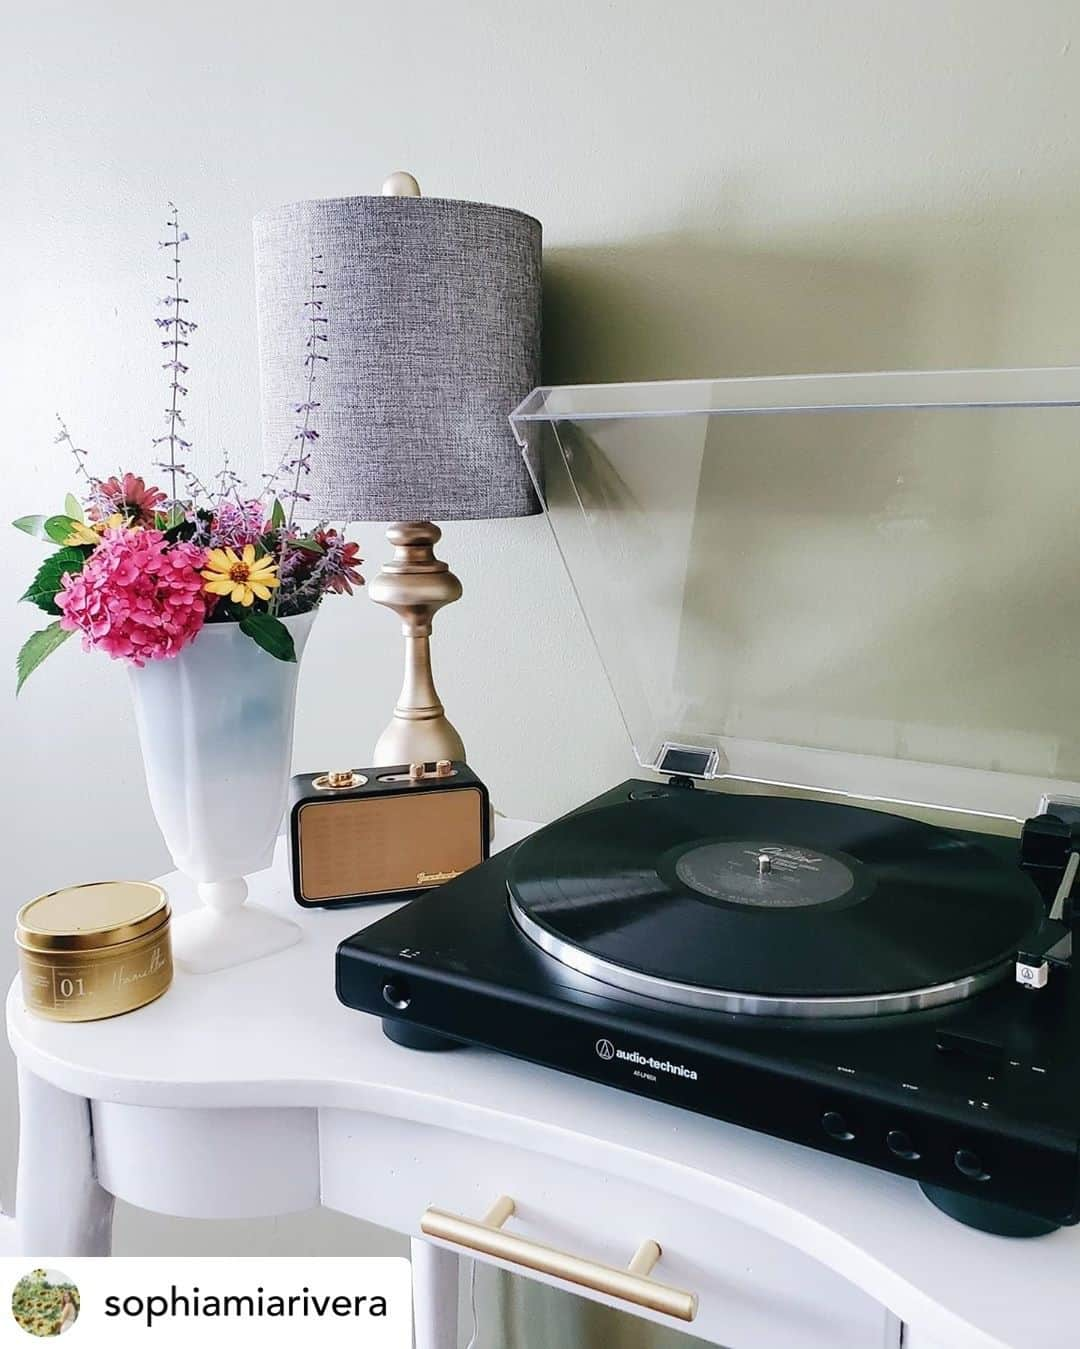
416, 585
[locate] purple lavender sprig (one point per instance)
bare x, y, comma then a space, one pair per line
196, 488
306, 435
178, 330
94, 494
297, 461
228, 481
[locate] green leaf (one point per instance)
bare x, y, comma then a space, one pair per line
34, 650
269, 633
43, 588
34, 525
307, 545
277, 515
58, 527
71, 505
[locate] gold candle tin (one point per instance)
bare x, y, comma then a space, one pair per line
92, 951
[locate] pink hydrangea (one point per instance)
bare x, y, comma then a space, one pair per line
138, 598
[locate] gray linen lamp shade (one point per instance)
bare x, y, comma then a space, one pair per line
433, 328
434, 338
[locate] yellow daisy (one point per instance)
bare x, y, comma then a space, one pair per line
81, 535
241, 578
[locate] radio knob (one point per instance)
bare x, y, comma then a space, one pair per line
337, 781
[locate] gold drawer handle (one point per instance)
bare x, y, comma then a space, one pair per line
631, 1284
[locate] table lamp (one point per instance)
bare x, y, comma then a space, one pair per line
433, 331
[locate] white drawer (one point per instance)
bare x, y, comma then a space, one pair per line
194, 1163
753, 1291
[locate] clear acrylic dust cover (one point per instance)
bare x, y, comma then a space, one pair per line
858, 584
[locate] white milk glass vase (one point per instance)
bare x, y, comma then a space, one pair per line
216, 728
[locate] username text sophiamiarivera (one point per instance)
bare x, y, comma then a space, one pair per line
152, 1307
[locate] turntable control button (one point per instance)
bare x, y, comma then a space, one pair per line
969, 1164
900, 1145
836, 1126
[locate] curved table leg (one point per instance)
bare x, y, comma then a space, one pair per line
60, 1209
435, 1295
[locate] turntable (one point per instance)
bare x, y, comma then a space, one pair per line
838, 616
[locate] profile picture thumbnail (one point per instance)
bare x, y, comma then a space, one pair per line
45, 1302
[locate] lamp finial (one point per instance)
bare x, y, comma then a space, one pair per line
401, 184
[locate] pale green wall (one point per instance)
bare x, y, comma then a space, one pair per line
727, 186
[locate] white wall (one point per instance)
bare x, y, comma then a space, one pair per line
726, 187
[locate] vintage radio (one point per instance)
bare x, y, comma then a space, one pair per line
384, 833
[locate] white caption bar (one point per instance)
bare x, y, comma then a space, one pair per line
179, 1301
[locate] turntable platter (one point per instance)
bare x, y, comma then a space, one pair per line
771, 905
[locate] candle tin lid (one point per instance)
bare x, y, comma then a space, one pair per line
89, 917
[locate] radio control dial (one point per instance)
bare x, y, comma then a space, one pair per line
338, 780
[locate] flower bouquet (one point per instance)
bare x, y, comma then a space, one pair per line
139, 571
207, 594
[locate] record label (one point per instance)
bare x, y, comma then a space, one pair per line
764, 873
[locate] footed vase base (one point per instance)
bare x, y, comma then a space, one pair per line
206, 940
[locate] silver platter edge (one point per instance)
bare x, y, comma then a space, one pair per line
750, 1004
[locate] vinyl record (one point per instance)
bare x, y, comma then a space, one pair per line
771, 905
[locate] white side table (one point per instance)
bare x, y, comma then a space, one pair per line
254, 1092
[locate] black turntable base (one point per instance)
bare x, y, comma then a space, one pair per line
832, 975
